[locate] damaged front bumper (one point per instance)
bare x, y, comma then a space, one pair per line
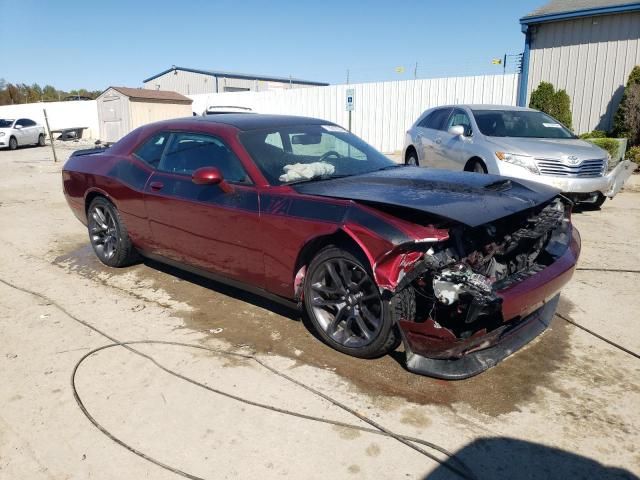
608, 185
527, 309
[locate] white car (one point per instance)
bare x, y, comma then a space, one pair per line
515, 142
21, 132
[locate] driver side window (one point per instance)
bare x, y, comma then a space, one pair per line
459, 117
188, 152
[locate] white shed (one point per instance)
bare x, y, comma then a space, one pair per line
122, 109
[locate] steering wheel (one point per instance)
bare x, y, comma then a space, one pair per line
330, 153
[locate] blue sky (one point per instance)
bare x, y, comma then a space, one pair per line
91, 44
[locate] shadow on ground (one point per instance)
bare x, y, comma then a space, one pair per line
512, 459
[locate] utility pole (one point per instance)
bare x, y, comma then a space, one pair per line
415, 71
53, 149
347, 76
504, 64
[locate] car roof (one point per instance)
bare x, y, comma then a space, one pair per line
257, 121
480, 106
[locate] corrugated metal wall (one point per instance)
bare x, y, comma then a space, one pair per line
591, 59
190, 83
383, 110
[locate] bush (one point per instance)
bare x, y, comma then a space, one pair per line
594, 134
626, 122
555, 103
609, 144
633, 154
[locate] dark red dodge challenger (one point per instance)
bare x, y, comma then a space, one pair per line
463, 268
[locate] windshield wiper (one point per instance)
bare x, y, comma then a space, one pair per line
389, 167
315, 179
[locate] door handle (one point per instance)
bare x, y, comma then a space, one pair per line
156, 186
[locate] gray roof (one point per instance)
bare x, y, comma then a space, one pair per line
247, 76
582, 7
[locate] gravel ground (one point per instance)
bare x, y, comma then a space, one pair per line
566, 406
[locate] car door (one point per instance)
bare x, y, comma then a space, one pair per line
454, 149
21, 132
212, 227
33, 131
429, 133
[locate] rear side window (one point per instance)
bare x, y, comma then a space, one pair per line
435, 120
188, 152
151, 151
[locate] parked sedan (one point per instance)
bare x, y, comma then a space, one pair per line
464, 269
17, 133
515, 142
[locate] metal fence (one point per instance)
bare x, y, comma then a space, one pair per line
61, 114
383, 110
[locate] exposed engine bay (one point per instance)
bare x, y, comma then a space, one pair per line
455, 283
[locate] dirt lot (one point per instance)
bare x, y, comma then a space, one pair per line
566, 406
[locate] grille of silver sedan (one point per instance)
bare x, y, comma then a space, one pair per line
586, 168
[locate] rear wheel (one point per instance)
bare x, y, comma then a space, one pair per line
345, 306
108, 234
41, 140
13, 143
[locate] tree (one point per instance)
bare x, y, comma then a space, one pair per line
555, 103
625, 121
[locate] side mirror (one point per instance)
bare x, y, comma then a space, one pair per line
18, 127
210, 176
457, 130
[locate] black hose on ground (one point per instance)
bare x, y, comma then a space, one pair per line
461, 469
615, 270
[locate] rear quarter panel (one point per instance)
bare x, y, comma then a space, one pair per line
118, 178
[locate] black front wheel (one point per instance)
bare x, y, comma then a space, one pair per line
41, 140
345, 306
412, 159
13, 143
108, 234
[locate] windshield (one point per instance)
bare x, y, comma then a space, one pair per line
520, 123
5, 123
310, 152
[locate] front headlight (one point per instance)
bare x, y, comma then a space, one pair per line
523, 161
1, 134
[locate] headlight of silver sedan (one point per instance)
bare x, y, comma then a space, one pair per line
1, 134
523, 161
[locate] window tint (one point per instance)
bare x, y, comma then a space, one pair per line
151, 151
274, 139
436, 119
459, 117
520, 123
188, 152
20, 122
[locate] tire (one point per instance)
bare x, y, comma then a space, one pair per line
108, 234
345, 307
595, 205
476, 166
13, 143
412, 159
41, 140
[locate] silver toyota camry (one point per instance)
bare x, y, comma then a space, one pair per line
514, 142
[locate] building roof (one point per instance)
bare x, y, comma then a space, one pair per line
555, 10
146, 94
246, 76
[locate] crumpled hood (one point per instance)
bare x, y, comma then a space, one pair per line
555, 148
469, 198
